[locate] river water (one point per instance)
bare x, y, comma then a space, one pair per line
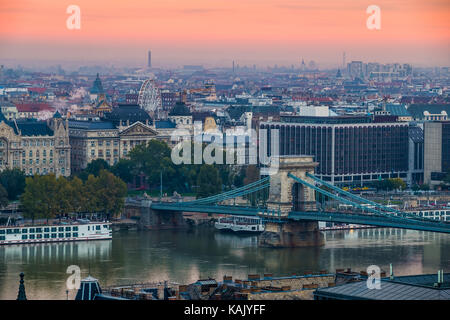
184, 256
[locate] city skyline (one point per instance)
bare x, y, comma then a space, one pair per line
215, 34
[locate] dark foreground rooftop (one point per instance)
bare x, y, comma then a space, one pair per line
417, 287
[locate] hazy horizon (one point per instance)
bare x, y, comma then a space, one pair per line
214, 33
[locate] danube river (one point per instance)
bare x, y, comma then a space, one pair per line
187, 255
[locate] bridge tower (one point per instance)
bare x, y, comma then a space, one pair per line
286, 195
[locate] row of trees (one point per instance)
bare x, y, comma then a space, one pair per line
46, 196
154, 159
12, 185
391, 184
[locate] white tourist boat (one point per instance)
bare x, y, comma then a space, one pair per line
240, 224
74, 231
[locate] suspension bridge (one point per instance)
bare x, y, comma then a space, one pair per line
287, 202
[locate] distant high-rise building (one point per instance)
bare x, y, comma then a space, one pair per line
149, 62
343, 60
355, 69
303, 65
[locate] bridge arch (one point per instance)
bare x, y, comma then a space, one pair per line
287, 195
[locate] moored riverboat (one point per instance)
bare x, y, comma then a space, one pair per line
69, 231
240, 224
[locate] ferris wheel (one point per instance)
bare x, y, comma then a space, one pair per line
149, 96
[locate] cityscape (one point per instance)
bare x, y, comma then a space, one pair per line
224, 167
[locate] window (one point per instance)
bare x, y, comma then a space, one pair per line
53, 229
31, 236
46, 229
61, 235
75, 234
53, 235
2, 237
24, 230
68, 235
2, 231
31, 230
61, 229
47, 235
75, 228
24, 237
68, 228
39, 236
97, 227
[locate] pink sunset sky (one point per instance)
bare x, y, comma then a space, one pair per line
215, 32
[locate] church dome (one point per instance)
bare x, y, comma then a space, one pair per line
180, 109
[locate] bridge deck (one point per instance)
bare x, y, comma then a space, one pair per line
341, 217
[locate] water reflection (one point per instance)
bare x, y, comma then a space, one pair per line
187, 255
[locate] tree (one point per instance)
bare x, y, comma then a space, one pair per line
90, 196
94, 167
32, 200
13, 180
251, 174
64, 196
78, 197
391, 184
111, 192
398, 183
208, 181
3, 197
124, 170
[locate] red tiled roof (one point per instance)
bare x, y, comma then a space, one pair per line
37, 90
33, 107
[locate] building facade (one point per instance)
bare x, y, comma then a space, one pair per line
91, 140
437, 151
36, 147
350, 150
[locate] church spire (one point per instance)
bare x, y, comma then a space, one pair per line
21, 294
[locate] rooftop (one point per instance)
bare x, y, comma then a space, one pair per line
415, 287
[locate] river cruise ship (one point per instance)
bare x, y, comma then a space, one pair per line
73, 231
240, 224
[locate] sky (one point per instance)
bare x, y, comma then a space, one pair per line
216, 32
